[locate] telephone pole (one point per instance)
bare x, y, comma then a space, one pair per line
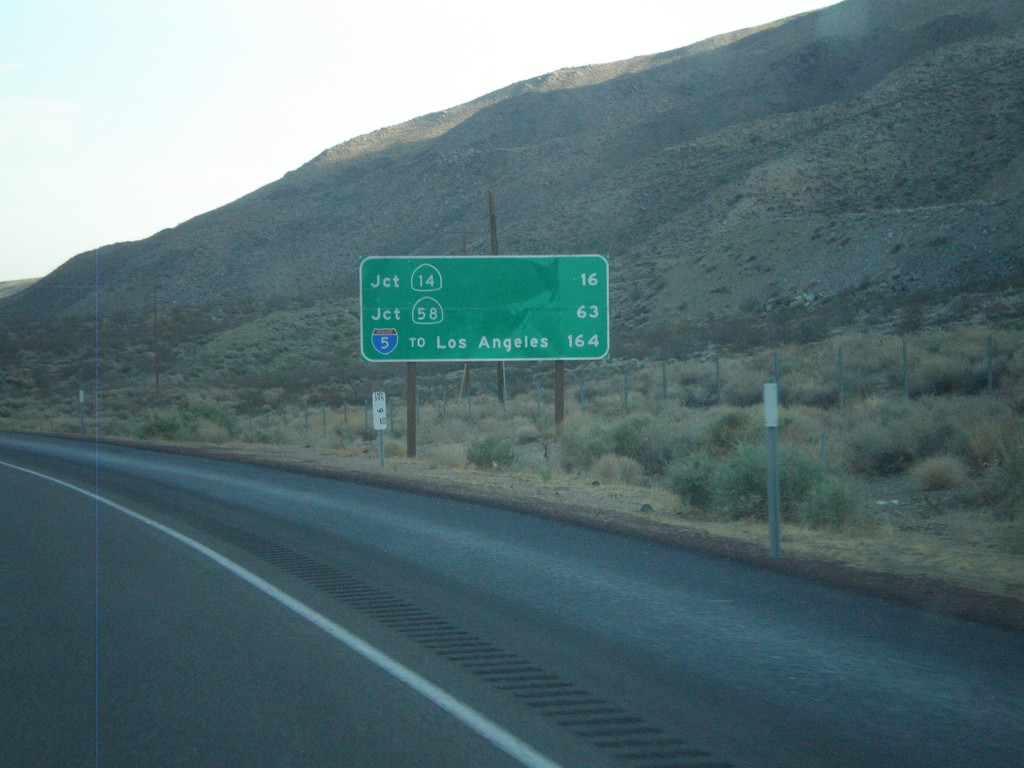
156, 345
494, 252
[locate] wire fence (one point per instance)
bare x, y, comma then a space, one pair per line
830, 379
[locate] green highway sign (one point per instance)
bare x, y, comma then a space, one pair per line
483, 308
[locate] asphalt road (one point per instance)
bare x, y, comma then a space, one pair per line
164, 610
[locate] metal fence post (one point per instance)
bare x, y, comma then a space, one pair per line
988, 356
842, 381
906, 373
718, 380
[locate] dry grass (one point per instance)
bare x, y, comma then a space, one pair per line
939, 473
622, 470
448, 455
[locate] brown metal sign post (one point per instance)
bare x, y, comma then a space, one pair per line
559, 397
410, 410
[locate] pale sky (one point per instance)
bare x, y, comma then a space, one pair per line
119, 118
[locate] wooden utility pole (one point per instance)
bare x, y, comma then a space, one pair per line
494, 223
500, 371
465, 367
156, 345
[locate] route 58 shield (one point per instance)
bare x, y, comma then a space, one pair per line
385, 340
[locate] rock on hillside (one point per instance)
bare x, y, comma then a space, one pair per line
870, 142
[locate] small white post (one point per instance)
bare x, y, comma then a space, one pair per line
771, 423
380, 421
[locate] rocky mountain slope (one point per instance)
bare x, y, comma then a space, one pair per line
11, 287
868, 146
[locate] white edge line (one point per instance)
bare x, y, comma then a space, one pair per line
488, 729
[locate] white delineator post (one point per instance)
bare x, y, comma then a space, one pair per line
771, 424
380, 421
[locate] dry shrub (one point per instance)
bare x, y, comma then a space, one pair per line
887, 436
693, 382
833, 501
802, 425
450, 430
741, 487
867, 364
729, 428
939, 473
490, 452
450, 455
211, 432
812, 392
938, 374
613, 468
743, 379
1011, 536
645, 439
523, 431
692, 478
351, 448
1002, 487
743, 387
522, 406
693, 373
688, 426
992, 431
584, 441
810, 377
735, 486
490, 425
1013, 368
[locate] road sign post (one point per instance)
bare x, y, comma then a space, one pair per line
484, 308
380, 421
410, 410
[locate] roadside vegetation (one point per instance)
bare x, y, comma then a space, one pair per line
901, 446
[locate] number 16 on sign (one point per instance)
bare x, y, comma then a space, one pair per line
380, 421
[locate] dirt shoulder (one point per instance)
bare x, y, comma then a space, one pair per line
910, 573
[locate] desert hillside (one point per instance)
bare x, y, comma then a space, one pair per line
867, 146
12, 287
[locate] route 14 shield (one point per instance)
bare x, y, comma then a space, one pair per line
384, 340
